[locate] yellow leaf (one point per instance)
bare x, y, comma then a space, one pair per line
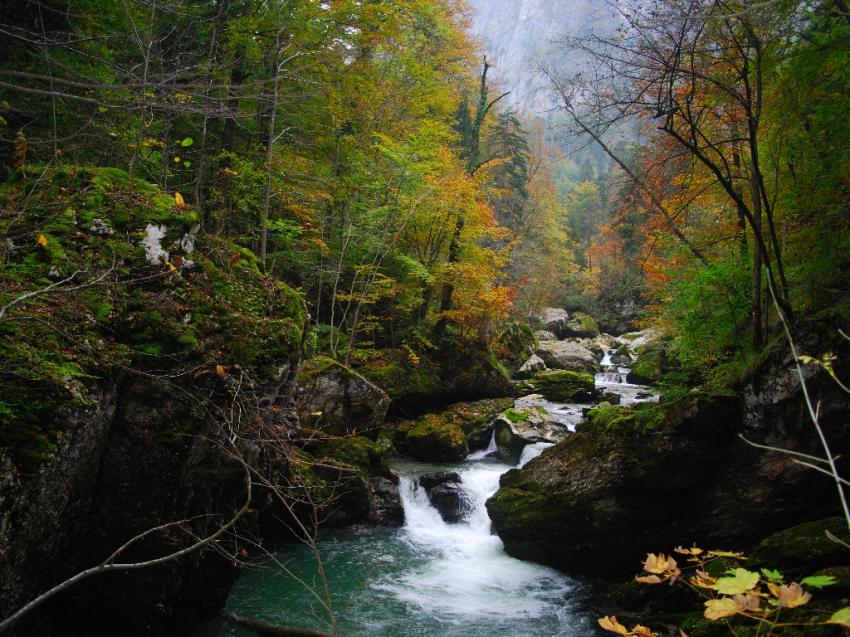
178, 199
719, 608
642, 631
613, 626
42, 241
219, 369
659, 564
741, 581
691, 551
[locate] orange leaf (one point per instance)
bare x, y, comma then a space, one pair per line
42, 241
613, 626
178, 199
221, 371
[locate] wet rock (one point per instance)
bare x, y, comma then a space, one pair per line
612, 398
446, 494
567, 355
533, 365
385, 501
517, 428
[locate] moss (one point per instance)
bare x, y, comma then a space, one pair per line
431, 438
516, 415
582, 325
561, 385
218, 310
802, 548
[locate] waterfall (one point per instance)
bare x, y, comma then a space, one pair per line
465, 571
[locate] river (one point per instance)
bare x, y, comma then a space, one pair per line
428, 578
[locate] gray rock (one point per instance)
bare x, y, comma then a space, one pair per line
446, 494
553, 319
568, 355
385, 501
517, 428
338, 400
530, 367
543, 335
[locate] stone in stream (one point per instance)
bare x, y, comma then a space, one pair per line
385, 501
567, 355
560, 386
446, 494
517, 428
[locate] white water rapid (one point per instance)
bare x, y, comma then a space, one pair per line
467, 575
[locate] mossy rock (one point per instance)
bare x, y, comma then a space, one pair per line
355, 451
432, 439
581, 325
561, 386
143, 315
804, 548
650, 366
515, 344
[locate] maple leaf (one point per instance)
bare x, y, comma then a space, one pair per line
719, 608
741, 581
790, 596
659, 564
747, 602
613, 626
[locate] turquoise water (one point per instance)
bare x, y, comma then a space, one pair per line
428, 578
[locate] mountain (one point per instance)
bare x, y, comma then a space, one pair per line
519, 35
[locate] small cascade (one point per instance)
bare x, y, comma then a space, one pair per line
613, 379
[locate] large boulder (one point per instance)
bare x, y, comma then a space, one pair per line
545, 335
337, 399
651, 364
517, 428
432, 439
554, 319
580, 325
568, 355
446, 494
561, 386
649, 478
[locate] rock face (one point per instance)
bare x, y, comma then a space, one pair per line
336, 399
567, 355
544, 335
633, 481
517, 428
446, 494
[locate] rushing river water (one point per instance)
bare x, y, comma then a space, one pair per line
428, 578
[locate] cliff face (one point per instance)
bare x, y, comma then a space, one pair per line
519, 35
115, 400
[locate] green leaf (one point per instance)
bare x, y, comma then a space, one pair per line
819, 581
187, 142
187, 164
840, 617
741, 581
772, 575
102, 109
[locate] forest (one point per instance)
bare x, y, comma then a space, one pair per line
275, 271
